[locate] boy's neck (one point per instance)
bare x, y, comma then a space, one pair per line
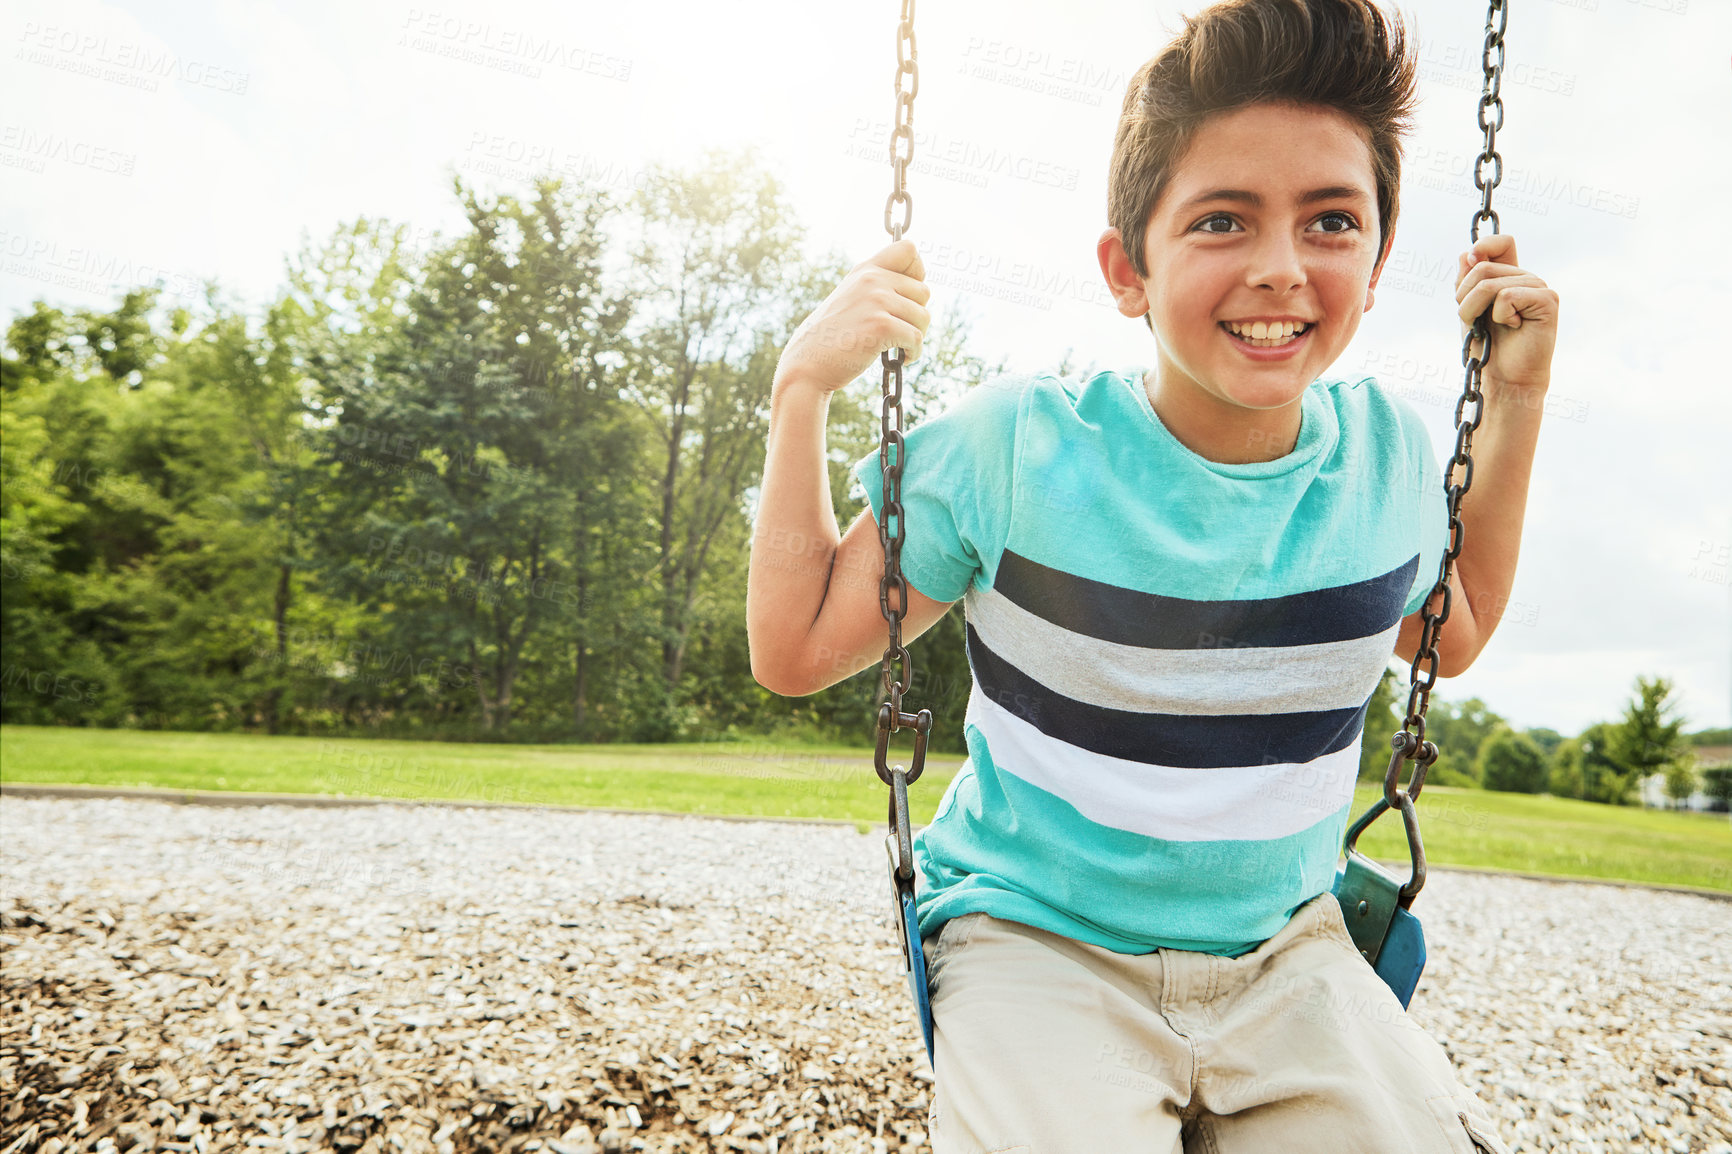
1223, 433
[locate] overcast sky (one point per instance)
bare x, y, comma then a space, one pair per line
194, 140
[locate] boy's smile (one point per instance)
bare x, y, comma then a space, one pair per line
1262, 253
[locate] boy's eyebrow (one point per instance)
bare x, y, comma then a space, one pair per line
1242, 196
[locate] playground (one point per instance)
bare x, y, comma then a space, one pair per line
400, 977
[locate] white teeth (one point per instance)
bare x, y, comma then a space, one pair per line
1274, 332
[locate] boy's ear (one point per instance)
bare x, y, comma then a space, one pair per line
1377, 270
1127, 288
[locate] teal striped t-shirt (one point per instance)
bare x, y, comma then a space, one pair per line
1171, 657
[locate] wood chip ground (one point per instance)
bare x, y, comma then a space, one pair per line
420, 979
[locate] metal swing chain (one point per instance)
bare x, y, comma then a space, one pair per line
1409, 743
891, 715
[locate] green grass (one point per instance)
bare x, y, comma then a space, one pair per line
1556, 836
1462, 827
756, 779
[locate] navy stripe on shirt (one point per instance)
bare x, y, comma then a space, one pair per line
1153, 621
1184, 741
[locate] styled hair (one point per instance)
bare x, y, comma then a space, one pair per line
1340, 54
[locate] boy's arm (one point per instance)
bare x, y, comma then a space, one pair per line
813, 616
1514, 383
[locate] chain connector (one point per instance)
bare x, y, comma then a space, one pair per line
1405, 746
891, 720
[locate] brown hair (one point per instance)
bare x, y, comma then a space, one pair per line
1341, 54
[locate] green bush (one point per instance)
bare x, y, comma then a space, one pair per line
1440, 774
1717, 784
1588, 767
1512, 762
1681, 779
1564, 777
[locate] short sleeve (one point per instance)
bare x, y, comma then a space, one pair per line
1431, 512
957, 488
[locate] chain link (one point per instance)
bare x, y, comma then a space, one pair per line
1410, 743
891, 444
891, 714
906, 66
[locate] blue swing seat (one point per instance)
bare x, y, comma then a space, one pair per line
1397, 955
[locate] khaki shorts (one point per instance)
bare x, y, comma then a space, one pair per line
1046, 1045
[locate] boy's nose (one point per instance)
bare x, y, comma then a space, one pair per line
1275, 264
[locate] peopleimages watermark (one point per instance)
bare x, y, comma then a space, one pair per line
474, 578
363, 770
1461, 66
78, 476
504, 48
315, 868
1519, 187
328, 655
1040, 71
1014, 282
1516, 612
870, 139
515, 158
85, 269
121, 62
1408, 271
802, 772
25, 148
1434, 383
48, 683
1711, 562
365, 443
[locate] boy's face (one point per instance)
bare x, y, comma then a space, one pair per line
1270, 216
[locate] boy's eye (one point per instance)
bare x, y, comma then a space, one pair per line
1208, 222
1345, 220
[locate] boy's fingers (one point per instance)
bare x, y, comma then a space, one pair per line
910, 340
1498, 246
898, 256
1524, 303
901, 256
1481, 272
1527, 288
917, 291
901, 307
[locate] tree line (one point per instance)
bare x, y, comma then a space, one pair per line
1606, 762
493, 486
496, 486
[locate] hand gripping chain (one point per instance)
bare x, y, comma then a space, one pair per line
1373, 903
899, 844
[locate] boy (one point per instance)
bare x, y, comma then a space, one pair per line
1181, 589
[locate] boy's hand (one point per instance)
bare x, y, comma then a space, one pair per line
1524, 313
879, 305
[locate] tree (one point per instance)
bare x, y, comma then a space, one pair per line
131, 530
1681, 780
1458, 731
493, 485
1564, 775
1650, 737
470, 444
1512, 762
1547, 739
718, 289
1587, 767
